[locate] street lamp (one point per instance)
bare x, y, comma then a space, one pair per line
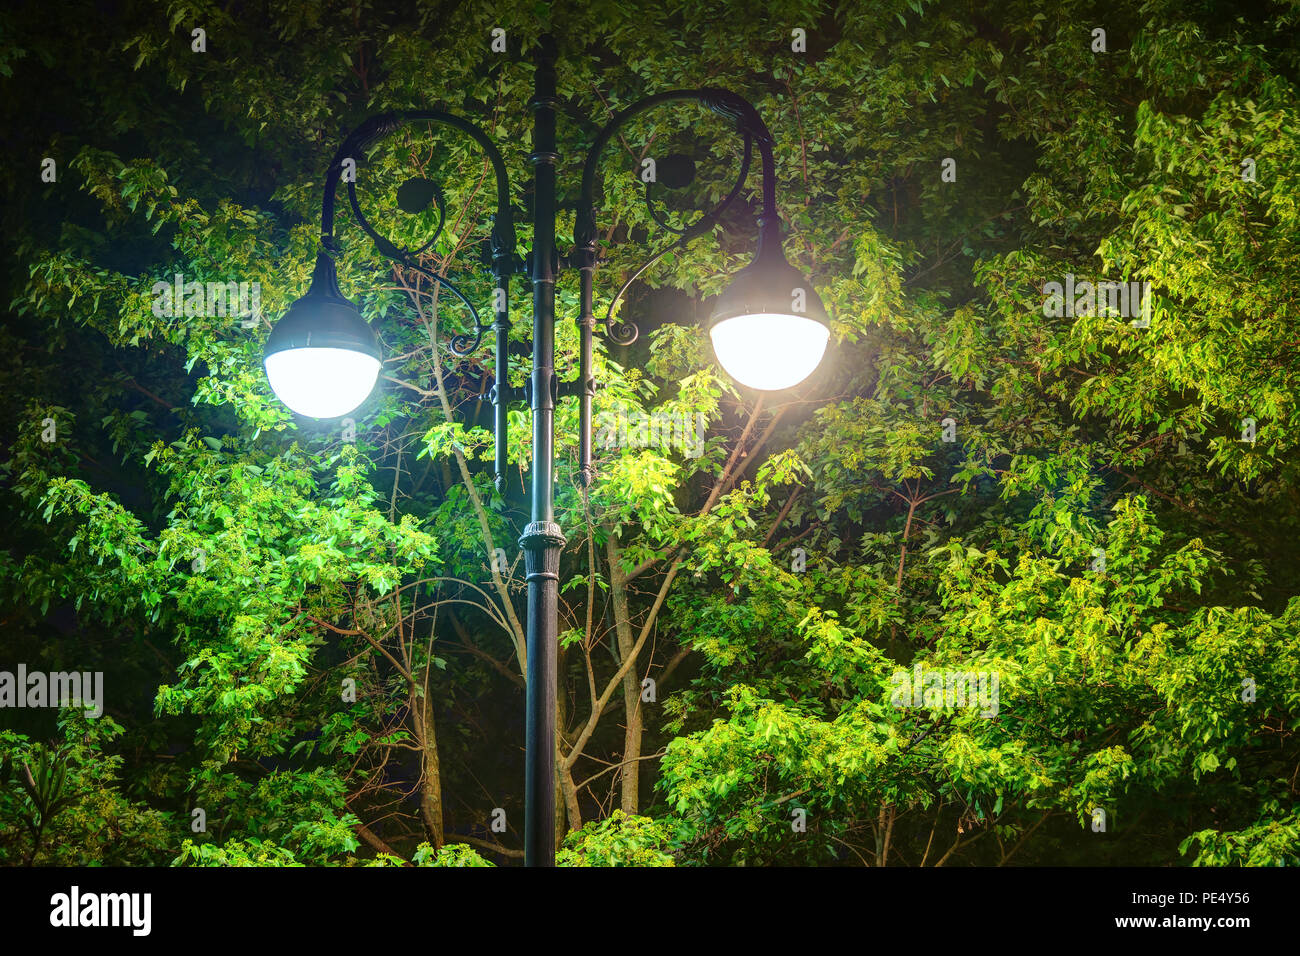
322, 358
769, 330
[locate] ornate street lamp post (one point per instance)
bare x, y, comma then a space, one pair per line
769, 331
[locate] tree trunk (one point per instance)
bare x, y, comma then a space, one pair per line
564, 806
431, 779
631, 770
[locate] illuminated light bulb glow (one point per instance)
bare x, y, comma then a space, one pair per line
769, 351
322, 382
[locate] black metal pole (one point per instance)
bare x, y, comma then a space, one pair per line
542, 539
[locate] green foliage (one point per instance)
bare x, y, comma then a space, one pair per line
65, 804
617, 840
251, 852
453, 854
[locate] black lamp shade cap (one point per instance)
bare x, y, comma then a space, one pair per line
323, 319
769, 285
323, 322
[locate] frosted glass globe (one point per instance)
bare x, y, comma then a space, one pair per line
769, 351
322, 382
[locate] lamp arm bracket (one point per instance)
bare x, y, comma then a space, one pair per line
723, 102
577, 389
498, 395
503, 229
462, 343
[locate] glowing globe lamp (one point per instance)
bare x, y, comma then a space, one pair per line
769, 328
322, 359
